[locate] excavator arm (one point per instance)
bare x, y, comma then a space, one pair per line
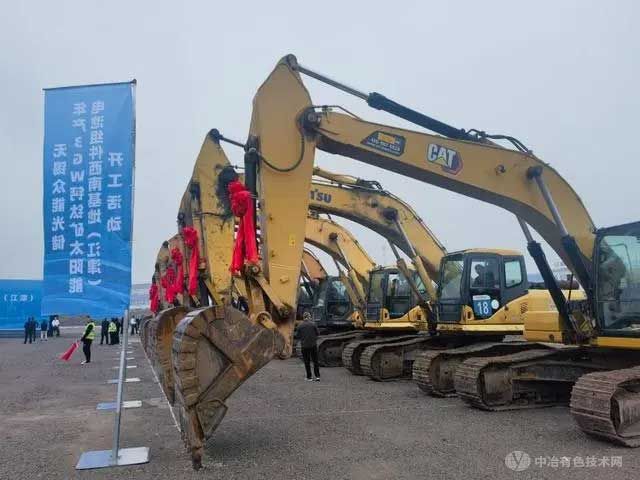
514, 180
336, 241
386, 215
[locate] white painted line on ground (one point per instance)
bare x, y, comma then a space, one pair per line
128, 366
175, 420
128, 380
125, 404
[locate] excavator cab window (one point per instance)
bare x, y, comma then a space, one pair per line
375, 295
389, 289
618, 280
399, 298
484, 285
331, 304
338, 303
304, 301
450, 289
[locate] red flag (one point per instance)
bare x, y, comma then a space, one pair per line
66, 356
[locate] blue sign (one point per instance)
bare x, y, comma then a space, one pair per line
19, 299
89, 140
482, 306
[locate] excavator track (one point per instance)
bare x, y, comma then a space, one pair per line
352, 352
607, 405
215, 349
434, 370
527, 379
330, 347
393, 360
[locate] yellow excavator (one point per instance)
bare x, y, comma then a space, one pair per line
339, 301
399, 303
215, 349
594, 364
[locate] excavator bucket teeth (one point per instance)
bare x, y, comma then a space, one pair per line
160, 340
215, 349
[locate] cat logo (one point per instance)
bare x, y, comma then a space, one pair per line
448, 159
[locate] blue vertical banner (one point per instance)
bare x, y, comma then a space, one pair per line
89, 146
19, 299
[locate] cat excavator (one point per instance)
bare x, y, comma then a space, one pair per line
597, 339
594, 364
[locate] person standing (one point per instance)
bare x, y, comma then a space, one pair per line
32, 330
133, 322
113, 332
55, 323
44, 330
104, 331
87, 339
308, 334
27, 330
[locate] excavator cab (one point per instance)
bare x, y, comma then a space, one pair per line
475, 284
618, 281
390, 295
332, 307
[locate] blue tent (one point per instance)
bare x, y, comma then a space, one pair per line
19, 299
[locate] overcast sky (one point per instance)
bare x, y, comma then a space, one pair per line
562, 76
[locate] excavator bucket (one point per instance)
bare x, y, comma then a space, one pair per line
144, 336
215, 349
160, 338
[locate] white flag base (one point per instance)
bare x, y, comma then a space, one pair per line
104, 458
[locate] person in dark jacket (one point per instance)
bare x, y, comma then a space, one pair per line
32, 330
44, 329
104, 331
27, 330
308, 333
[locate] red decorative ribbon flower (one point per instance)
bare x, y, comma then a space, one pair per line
190, 236
245, 247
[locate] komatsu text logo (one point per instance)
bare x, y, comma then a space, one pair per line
448, 159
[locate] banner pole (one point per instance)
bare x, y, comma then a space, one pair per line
121, 376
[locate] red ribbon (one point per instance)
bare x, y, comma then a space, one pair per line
178, 284
245, 247
153, 297
190, 236
168, 284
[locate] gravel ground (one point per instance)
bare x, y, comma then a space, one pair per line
278, 426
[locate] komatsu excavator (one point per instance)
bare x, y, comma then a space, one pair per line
398, 301
215, 349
